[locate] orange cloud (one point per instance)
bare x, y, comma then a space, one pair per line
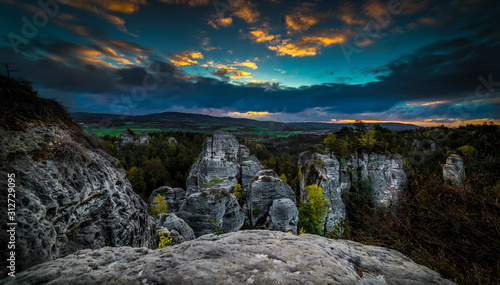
192, 3
285, 47
217, 22
245, 10
249, 114
303, 17
247, 63
259, 36
347, 14
186, 58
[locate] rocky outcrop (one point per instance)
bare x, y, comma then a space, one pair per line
245, 257
128, 137
173, 223
325, 171
284, 216
454, 170
174, 197
266, 187
223, 158
172, 140
215, 204
68, 197
383, 173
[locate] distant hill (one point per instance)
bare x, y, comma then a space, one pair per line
205, 123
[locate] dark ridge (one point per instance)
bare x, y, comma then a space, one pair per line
20, 104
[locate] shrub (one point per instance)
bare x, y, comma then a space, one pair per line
214, 182
216, 228
159, 206
164, 240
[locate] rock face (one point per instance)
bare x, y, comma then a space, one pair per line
245, 257
174, 197
384, 173
127, 137
454, 170
216, 204
284, 216
266, 187
224, 158
68, 197
173, 223
325, 171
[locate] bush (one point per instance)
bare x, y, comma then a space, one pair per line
164, 240
159, 206
214, 182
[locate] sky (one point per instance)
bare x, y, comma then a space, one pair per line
424, 62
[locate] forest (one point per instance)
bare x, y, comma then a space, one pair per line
453, 230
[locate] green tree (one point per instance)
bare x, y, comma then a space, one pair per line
214, 182
312, 213
367, 139
283, 177
467, 150
237, 191
159, 206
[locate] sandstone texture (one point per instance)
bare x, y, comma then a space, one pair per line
214, 204
266, 187
174, 223
174, 197
383, 173
244, 257
284, 216
454, 170
68, 197
223, 158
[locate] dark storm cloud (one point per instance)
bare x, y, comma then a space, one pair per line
444, 70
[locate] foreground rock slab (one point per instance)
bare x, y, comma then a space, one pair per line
244, 257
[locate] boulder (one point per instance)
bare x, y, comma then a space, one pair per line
214, 204
222, 157
174, 197
244, 257
174, 235
266, 187
454, 170
174, 223
172, 140
284, 216
69, 197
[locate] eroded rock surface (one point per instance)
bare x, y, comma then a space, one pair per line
214, 204
244, 257
284, 216
174, 197
68, 197
174, 223
266, 187
383, 173
223, 158
454, 170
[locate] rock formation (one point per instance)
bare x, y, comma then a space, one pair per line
172, 140
384, 173
454, 170
284, 216
174, 197
266, 187
245, 257
69, 194
176, 226
128, 137
224, 158
215, 204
